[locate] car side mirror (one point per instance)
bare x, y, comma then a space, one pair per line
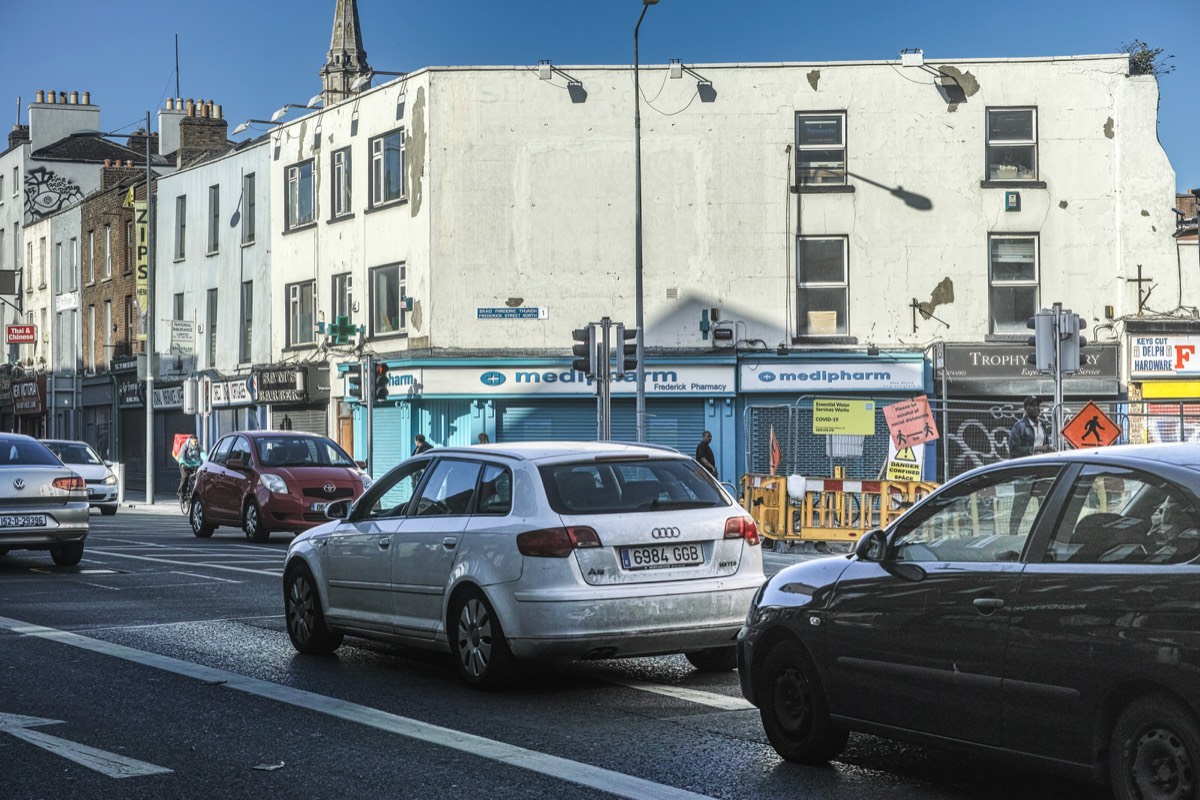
107, 463
236, 461
361, 464
871, 546
338, 509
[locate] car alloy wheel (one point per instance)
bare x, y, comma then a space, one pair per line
480, 649
305, 617
1152, 755
252, 523
200, 526
794, 711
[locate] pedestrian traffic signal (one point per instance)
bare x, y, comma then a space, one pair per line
584, 350
1042, 325
381, 381
1069, 327
626, 348
354, 381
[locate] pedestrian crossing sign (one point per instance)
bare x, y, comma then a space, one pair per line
1091, 427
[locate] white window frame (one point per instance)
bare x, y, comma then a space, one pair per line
301, 184
107, 251
108, 332
91, 256
248, 204
214, 219
74, 281
806, 324
1000, 165
91, 337
342, 183
299, 332
380, 171
820, 173
42, 257
211, 333
379, 304
1016, 325
342, 296
246, 340
181, 227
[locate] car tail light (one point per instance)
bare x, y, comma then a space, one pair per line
741, 528
556, 542
71, 484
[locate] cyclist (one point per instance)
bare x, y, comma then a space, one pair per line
190, 457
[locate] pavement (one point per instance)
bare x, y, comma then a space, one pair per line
164, 503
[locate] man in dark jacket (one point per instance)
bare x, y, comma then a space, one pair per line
420, 444
704, 454
1030, 434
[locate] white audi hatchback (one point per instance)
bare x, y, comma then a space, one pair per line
545, 551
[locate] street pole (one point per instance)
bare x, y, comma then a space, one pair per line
149, 326
367, 395
637, 233
1058, 376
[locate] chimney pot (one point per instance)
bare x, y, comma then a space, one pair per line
62, 98
87, 98
52, 96
170, 104
191, 108
217, 112
74, 98
204, 109
41, 96
107, 163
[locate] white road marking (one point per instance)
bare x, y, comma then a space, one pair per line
110, 764
604, 780
228, 567
711, 699
205, 577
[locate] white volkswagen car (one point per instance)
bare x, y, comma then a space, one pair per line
501, 554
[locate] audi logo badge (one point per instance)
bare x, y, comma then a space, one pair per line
329, 487
665, 533
18, 483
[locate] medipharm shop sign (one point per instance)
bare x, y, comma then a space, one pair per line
832, 376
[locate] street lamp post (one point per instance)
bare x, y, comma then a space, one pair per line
149, 326
639, 317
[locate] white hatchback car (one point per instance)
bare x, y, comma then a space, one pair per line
103, 487
531, 552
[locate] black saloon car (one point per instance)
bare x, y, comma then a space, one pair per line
1046, 608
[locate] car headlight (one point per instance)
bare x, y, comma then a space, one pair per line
274, 483
366, 479
109, 480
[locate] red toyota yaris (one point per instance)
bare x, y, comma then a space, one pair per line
264, 481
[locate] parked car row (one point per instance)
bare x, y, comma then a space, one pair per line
43, 502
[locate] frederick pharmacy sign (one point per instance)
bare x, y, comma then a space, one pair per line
832, 376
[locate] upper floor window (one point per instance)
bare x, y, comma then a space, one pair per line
387, 168
130, 250
1013, 282
301, 298
247, 338
341, 183
108, 245
301, 205
42, 260
214, 218
388, 300
73, 277
343, 295
1012, 144
212, 327
821, 148
248, 208
180, 227
177, 306
91, 257
822, 286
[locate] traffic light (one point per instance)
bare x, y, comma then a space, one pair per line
584, 350
354, 381
626, 348
381, 381
1069, 326
1042, 324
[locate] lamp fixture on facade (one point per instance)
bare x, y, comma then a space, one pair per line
365, 80
246, 125
278, 115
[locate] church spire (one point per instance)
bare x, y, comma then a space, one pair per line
347, 60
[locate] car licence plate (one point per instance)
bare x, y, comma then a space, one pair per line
662, 556
23, 521
319, 506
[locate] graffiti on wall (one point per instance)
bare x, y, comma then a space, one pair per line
46, 193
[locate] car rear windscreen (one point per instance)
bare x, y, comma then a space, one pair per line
621, 487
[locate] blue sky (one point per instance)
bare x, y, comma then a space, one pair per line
252, 56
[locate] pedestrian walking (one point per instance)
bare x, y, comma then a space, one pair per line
704, 454
420, 444
482, 439
1030, 434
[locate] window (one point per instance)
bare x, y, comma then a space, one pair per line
59, 265
180, 227
822, 286
986, 519
301, 297
108, 332
1, 188
1119, 516
29, 267
73, 279
214, 219
212, 327
391, 494
495, 491
16, 181
1, 248
1012, 144
387, 168
244, 347
130, 250
1013, 280
89, 340
91, 257
130, 319
42, 262
248, 208
343, 295
821, 148
300, 202
449, 490
177, 306
387, 300
341, 182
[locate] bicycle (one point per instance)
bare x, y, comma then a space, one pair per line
185, 495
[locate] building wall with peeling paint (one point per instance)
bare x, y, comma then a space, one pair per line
521, 194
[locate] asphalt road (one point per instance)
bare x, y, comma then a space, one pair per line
160, 667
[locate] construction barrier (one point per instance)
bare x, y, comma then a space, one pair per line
826, 509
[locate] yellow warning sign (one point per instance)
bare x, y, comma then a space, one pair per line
904, 466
